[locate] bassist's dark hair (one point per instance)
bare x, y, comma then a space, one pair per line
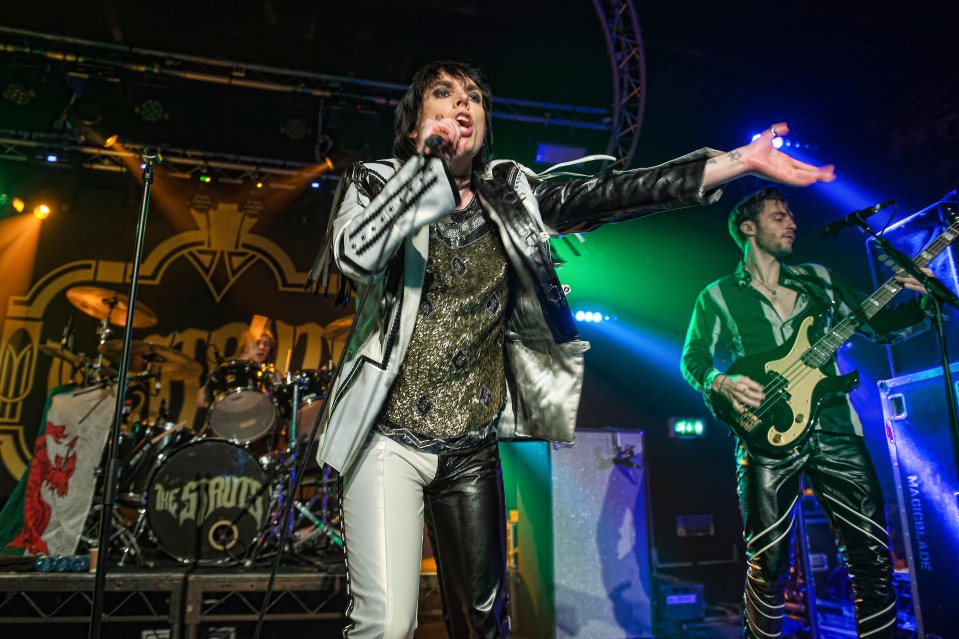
749, 208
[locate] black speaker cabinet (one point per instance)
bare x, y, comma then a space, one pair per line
927, 486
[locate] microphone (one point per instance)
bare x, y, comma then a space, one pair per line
216, 354
434, 142
152, 155
856, 218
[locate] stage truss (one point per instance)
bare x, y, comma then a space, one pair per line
85, 58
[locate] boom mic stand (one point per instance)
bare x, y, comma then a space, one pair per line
151, 158
939, 294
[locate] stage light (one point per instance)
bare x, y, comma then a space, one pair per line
151, 110
110, 141
557, 153
687, 427
18, 205
52, 157
42, 211
295, 129
259, 185
314, 185
18, 94
777, 141
206, 179
591, 317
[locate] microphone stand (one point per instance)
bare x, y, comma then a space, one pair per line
151, 157
939, 295
300, 467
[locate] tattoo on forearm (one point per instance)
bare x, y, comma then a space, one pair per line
734, 156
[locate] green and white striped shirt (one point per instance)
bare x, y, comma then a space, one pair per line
732, 316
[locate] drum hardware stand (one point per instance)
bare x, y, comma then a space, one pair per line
286, 493
322, 527
151, 158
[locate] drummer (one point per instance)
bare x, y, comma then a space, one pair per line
256, 347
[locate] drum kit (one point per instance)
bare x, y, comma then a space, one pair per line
215, 495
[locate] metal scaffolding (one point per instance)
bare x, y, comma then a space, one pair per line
107, 60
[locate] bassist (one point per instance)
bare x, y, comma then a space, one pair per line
759, 308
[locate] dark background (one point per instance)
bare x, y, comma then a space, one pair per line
872, 89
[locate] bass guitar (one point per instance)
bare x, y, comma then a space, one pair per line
792, 375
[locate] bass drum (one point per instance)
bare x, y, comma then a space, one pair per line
242, 408
207, 501
140, 450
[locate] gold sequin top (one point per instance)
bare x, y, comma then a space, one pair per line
453, 380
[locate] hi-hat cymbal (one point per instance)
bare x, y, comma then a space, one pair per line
338, 328
171, 363
74, 359
101, 302
77, 360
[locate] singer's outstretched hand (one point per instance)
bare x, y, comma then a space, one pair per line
762, 159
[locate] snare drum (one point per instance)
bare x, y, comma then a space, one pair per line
242, 409
207, 501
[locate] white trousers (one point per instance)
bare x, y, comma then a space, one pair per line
383, 506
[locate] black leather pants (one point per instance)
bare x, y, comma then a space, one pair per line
845, 483
466, 522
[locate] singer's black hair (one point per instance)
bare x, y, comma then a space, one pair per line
749, 208
409, 108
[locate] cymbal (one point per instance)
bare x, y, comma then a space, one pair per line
172, 364
76, 360
338, 327
100, 302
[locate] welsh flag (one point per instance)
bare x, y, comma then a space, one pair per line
46, 512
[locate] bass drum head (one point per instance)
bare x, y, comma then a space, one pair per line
207, 502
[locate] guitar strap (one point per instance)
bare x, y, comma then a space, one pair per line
814, 286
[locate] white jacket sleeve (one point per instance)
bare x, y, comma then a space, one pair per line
367, 233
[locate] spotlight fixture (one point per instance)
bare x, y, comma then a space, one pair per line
18, 94
295, 129
42, 211
151, 110
18, 205
590, 316
110, 141
687, 427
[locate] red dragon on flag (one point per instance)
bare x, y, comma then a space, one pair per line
56, 475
